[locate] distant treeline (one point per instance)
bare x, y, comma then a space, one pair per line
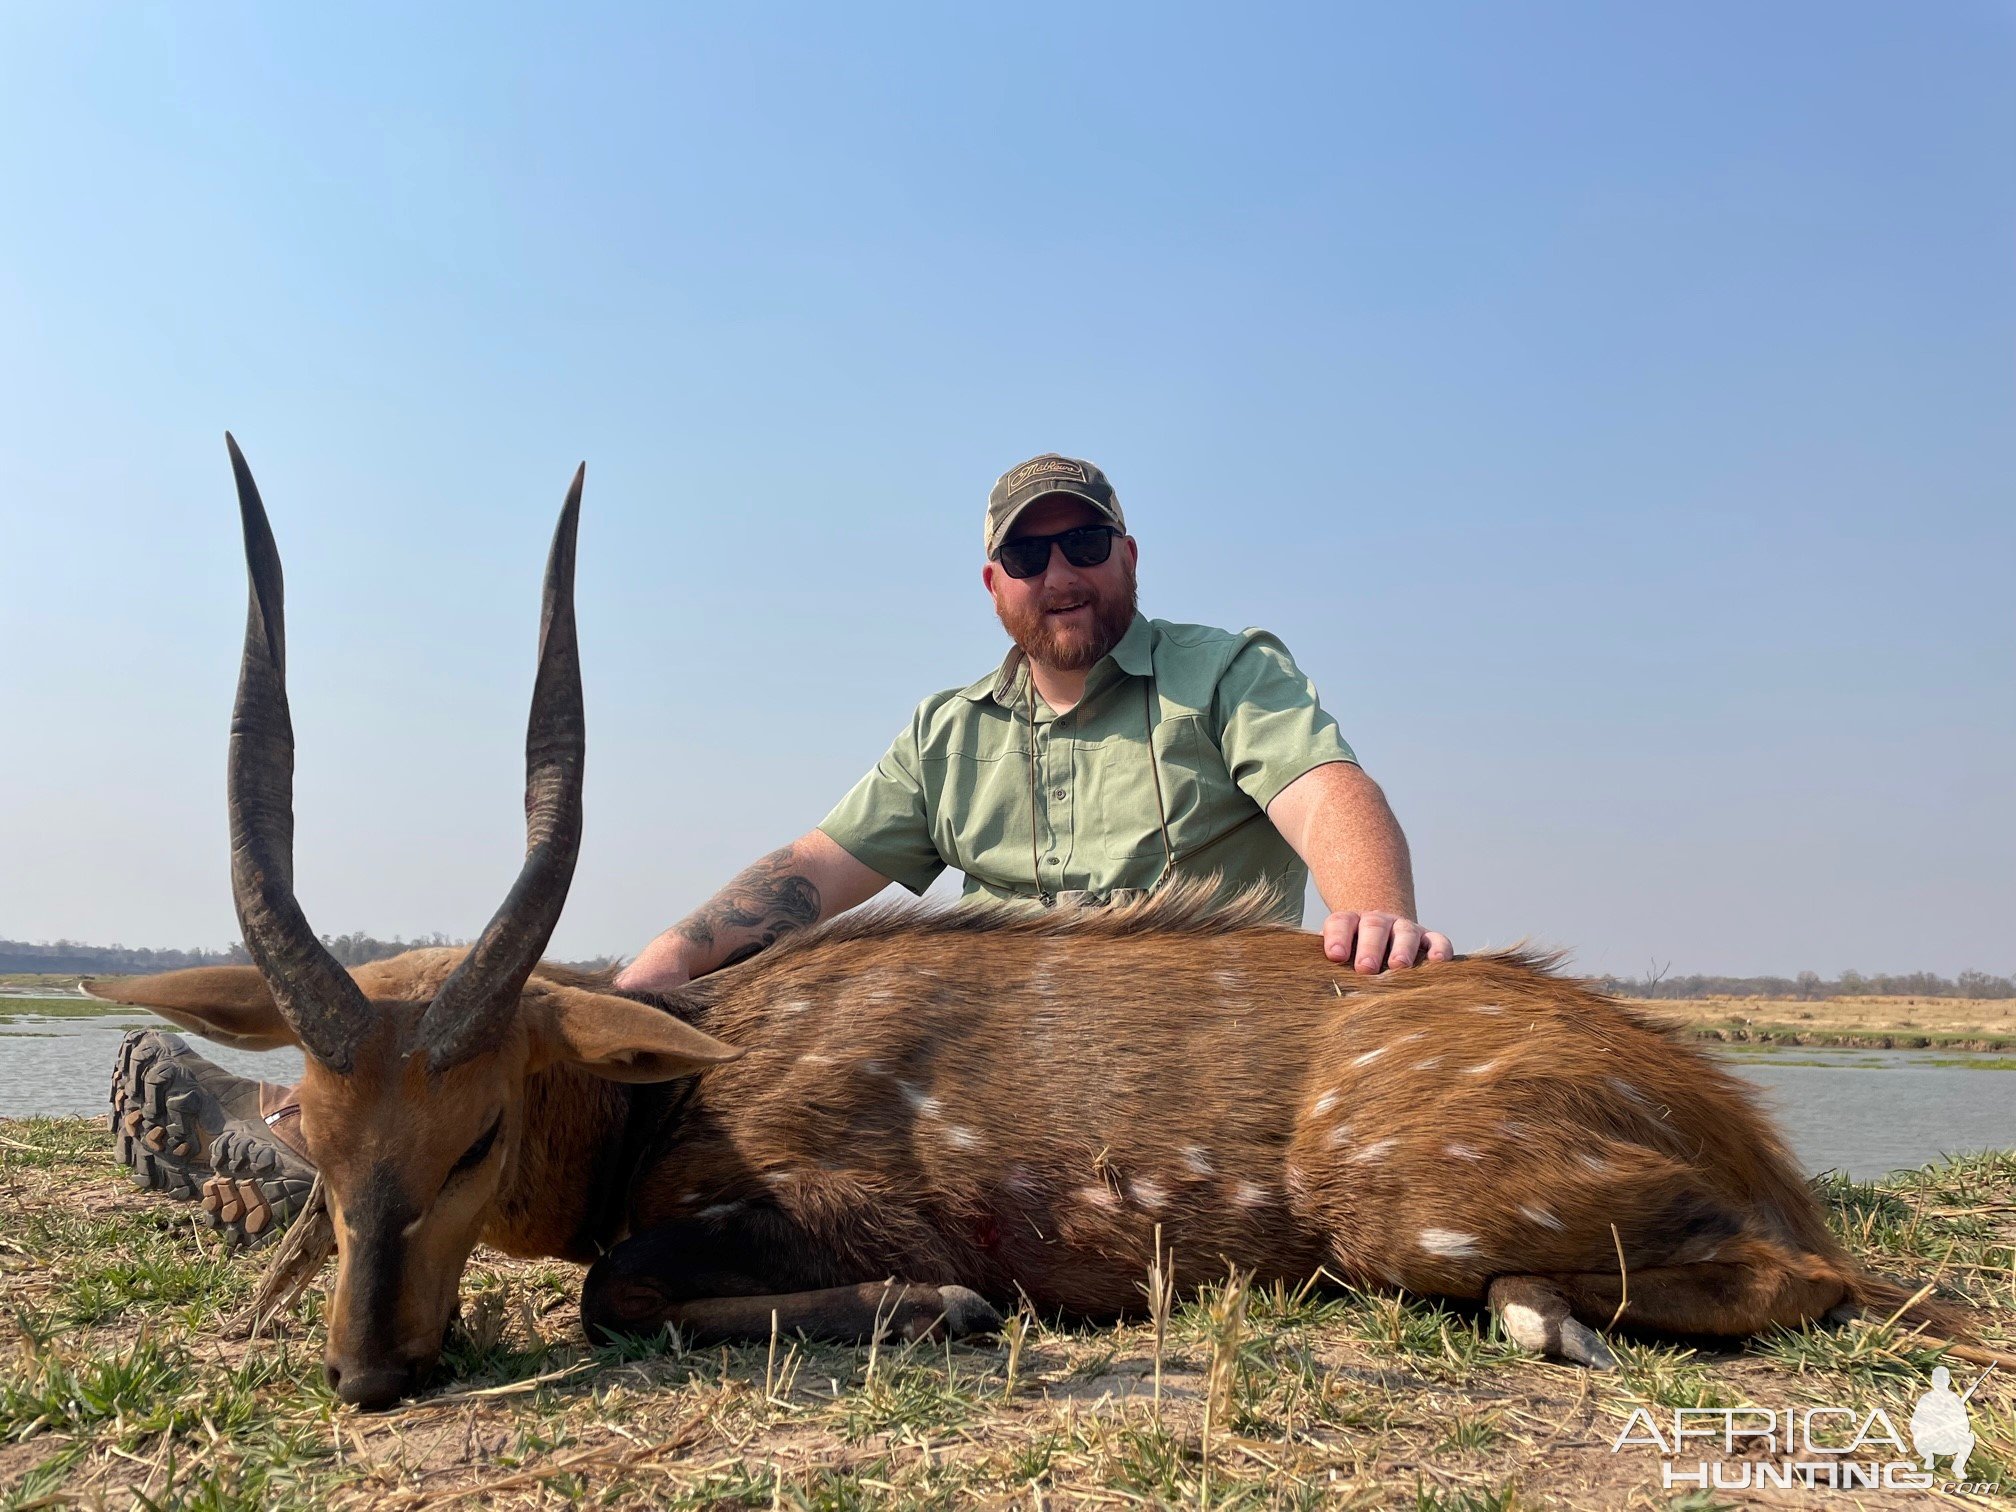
118, 960
1810, 984
356, 949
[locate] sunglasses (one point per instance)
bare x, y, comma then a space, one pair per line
1086, 546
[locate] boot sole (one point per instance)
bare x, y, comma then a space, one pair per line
258, 1184
248, 1183
158, 1116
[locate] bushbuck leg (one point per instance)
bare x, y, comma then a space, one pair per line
717, 1286
1755, 1285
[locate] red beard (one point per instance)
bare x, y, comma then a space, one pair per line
1070, 648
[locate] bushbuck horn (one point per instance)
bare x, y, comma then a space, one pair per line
480, 998
315, 995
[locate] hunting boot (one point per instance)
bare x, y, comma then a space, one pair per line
189, 1128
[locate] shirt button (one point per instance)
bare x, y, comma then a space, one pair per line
1057, 793
1050, 860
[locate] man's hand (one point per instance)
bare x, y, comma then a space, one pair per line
1372, 942
660, 967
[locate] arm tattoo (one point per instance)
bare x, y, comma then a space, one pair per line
769, 898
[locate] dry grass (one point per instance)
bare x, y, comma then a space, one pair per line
119, 1385
1890, 1023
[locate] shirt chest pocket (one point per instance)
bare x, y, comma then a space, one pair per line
1116, 789
977, 804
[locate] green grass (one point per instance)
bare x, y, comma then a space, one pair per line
1975, 1062
1742, 1031
13, 1008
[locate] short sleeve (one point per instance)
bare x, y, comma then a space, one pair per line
1270, 726
882, 822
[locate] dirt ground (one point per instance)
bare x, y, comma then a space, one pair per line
123, 1382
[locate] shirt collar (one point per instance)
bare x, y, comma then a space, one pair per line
1133, 654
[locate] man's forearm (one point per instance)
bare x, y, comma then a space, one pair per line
795, 886
1339, 822
764, 900
1340, 825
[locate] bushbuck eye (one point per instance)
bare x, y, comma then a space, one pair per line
473, 1156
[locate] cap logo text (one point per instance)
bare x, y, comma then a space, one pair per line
1046, 467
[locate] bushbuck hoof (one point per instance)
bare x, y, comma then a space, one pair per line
1585, 1346
621, 1308
1535, 1316
967, 1313
910, 1313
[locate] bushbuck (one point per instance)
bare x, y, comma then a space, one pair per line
887, 1120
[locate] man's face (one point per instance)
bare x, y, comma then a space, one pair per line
1065, 617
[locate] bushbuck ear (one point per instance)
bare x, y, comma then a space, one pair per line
617, 1038
228, 1004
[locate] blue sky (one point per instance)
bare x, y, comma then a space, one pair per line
1613, 407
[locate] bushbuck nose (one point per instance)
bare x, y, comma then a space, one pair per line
369, 1387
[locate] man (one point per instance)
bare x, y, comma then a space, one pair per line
1108, 753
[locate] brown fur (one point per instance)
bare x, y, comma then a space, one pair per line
1011, 1101
1015, 1099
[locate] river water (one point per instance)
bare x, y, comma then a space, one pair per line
1864, 1112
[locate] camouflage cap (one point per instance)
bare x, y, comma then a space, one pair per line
1038, 478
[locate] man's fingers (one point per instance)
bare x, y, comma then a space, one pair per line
1406, 947
1374, 933
1340, 933
1374, 942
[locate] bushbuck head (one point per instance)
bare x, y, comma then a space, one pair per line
414, 1098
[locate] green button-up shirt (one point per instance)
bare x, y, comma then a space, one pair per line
1234, 721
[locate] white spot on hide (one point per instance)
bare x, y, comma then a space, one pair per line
1372, 1151
1147, 1192
1323, 1104
1196, 1159
1368, 1057
960, 1138
1099, 1195
1449, 1243
1462, 1151
1538, 1215
1249, 1194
